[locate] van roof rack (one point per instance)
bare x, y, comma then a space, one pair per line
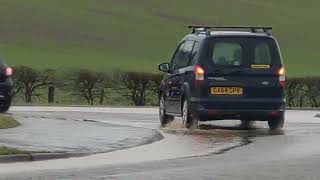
254, 29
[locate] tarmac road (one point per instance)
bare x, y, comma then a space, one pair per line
72, 133
219, 150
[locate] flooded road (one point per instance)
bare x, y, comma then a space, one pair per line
218, 150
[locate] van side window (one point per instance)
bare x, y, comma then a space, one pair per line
194, 54
182, 56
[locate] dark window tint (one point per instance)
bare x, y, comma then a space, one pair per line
227, 54
194, 54
182, 56
262, 54
176, 60
243, 51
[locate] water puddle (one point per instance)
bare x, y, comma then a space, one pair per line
218, 137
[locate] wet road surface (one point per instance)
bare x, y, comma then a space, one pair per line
50, 132
220, 150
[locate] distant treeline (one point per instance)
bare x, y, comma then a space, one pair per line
136, 88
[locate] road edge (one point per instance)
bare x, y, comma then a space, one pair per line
38, 157
302, 108
157, 136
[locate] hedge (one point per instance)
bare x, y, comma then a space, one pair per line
136, 88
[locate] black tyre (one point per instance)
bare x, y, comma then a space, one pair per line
247, 124
188, 121
5, 105
164, 118
276, 123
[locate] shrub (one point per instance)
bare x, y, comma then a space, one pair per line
303, 92
90, 85
295, 92
28, 80
312, 91
137, 86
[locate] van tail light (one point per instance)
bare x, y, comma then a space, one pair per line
199, 73
282, 77
8, 71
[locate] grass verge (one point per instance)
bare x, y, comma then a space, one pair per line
8, 122
5, 123
11, 151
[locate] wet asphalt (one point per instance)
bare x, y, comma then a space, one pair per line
72, 133
219, 150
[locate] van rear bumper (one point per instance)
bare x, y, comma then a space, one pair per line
245, 109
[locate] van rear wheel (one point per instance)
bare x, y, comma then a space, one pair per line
247, 124
276, 123
188, 121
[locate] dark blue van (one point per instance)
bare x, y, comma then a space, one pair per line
219, 73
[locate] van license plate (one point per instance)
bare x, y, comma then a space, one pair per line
227, 91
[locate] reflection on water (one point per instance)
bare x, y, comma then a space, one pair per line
219, 137
227, 128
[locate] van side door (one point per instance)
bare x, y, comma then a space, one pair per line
173, 84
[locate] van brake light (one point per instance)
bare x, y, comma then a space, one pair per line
199, 73
282, 77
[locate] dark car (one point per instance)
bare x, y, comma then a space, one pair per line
222, 73
6, 87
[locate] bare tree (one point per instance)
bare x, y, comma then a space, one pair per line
18, 84
28, 80
295, 92
90, 85
303, 92
137, 86
155, 80
313, 91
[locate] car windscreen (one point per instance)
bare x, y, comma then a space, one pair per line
250, 52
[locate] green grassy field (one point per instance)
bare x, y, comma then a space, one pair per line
138, 35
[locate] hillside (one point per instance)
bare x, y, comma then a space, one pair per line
138, 35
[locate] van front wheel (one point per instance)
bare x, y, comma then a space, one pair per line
164, 118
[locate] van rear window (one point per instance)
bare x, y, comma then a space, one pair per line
254, 52
227, 53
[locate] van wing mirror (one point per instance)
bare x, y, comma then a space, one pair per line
164, 67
